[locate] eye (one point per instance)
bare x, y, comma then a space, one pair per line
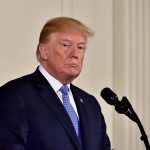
82, 47
65, 45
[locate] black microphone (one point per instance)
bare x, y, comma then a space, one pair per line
122, 107
109, 96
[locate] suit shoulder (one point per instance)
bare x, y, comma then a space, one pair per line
85, 95
17, 83
88, 99
81, 91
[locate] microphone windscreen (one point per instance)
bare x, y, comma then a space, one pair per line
109, 96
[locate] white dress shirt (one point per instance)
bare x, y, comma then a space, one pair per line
56, 85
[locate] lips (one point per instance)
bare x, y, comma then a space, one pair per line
72, 65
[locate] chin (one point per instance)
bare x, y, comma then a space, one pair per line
72, 73
75, 72
72, 76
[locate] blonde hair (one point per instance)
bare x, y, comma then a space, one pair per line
62, 24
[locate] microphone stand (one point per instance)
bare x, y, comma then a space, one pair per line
124, 107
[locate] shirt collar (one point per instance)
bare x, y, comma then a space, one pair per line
56, 85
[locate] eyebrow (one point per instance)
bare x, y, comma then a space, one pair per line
66, 40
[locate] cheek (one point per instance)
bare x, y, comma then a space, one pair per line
81, 59
60, 60
56, 56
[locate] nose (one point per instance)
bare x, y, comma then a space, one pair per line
74, 52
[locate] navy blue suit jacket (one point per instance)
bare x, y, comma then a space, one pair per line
33, 118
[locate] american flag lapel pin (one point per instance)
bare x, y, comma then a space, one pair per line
81, 100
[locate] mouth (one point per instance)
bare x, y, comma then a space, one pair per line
72, 65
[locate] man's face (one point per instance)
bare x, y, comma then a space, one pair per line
64, 53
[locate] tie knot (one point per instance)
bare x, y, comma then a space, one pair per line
64, 89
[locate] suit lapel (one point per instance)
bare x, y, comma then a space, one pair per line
51, 99
83, 116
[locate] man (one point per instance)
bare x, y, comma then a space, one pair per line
43, 110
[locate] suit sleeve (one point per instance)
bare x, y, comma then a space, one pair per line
13, 125
106, 142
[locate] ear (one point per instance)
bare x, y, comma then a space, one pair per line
43, 51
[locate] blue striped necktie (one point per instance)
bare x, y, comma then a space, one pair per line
71, 112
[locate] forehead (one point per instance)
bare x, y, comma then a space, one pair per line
68, 36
